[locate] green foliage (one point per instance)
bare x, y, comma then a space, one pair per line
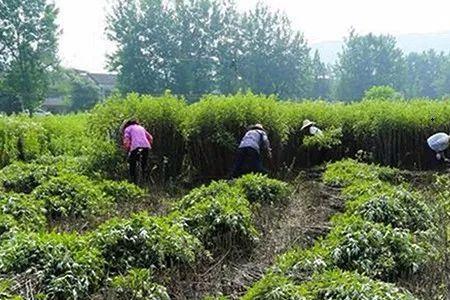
63, 266
301, 264
236, 50
261, 189
145, 242
137, 284
161, 116
27, 212
401, 210
84, 94
122, 192
28, 35
338, 285
376, 250
25, 177
214, 126
219, 215
329, 139
381, 93
6, 292
274, 287
70, 195
343, 173
368, 61
21, 138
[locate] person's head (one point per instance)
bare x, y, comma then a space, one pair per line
131, 122
307, 124
256, 127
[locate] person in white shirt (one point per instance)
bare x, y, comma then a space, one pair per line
311, 127
249, 158
439, 142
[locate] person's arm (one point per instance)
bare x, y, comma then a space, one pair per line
149, 137
266, 144
126, 140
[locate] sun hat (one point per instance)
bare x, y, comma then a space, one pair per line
307, 123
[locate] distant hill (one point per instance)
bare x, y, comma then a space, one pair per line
408, 43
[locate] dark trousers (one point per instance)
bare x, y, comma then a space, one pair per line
248, 160
139, 154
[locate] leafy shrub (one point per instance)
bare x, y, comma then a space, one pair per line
72, 195
302, 264
25, 177
65, 164
214, 189
6, 292
218, 214
63, 265
329, 139
27, 212
122, 191
274, 287
338, 285
144, 242
400, 209
346, 171
260, 188
382, 93
7, 224
376, 250
137, 284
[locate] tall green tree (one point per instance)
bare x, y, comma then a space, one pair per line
28, 47
442, 81
368, 61
275, 58
321, 78
142, 30
423, 71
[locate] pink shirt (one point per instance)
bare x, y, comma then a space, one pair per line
137, 137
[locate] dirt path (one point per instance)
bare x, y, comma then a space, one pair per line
299, 223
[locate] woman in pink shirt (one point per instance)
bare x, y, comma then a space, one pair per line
136, 140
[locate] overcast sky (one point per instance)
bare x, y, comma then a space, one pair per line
84, 45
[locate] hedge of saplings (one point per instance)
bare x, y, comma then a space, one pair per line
161, 116
384, 234
24, 138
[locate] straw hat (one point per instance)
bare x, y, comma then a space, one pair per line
307, 123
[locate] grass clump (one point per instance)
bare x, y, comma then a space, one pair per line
122, 191
274, 287
143, 241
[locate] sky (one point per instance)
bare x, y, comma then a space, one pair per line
83, 43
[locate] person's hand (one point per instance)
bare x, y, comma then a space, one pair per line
446, 160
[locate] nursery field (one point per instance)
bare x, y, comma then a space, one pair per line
360, 213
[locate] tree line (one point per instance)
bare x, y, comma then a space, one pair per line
197, 47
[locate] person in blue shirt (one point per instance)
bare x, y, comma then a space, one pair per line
249, 158
439, 142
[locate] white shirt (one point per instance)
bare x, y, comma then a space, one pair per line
255, 139
313, 130
439, 142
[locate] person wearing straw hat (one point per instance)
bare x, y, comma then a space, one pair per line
310, 126
249, 158
439, 142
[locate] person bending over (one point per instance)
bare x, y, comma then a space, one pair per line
249, 158
439, 142
137, 142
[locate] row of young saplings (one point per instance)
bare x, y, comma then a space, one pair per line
122, 258
387, 234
